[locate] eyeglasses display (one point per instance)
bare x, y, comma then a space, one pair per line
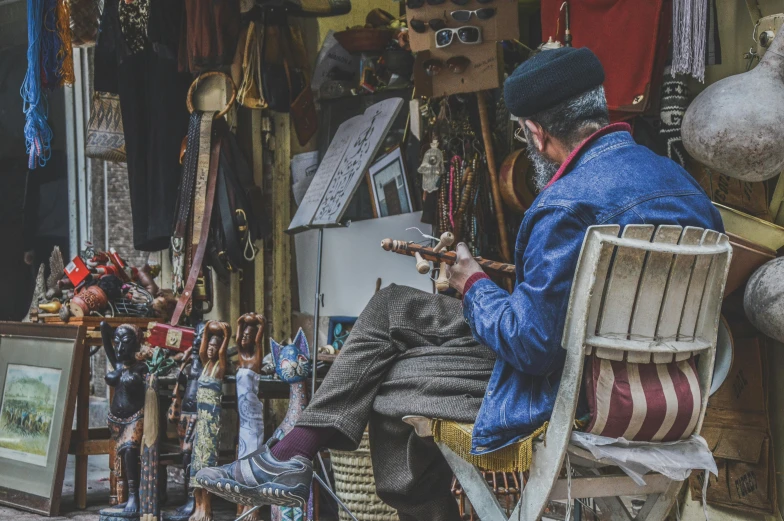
485, 13
416, 4
455, 64
421, 26
468, 34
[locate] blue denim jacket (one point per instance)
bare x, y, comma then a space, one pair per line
611, 181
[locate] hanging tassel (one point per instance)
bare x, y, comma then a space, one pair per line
50, 47
148, 492
689, 26
38, 134
65, 54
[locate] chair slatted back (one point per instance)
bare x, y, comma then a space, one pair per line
653, 294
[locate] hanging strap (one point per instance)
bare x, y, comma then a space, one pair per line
190, 165
204, 223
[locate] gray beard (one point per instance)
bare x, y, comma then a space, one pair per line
544, 169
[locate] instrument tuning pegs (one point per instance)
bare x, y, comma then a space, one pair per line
422, 265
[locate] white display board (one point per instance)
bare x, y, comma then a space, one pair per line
352, 261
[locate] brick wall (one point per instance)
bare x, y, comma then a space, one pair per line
120, 237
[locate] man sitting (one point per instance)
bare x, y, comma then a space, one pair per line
493, 359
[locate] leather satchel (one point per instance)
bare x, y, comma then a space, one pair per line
238, 218
286, 85
105, 138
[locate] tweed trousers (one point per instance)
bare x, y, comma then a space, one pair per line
409, 353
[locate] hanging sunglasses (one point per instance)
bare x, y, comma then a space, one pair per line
468, 34
465, 2
484, 13
455, 64
420, 26
416, 4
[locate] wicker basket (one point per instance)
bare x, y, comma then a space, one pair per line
356, 487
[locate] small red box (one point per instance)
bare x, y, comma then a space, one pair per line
175, 338
77, 271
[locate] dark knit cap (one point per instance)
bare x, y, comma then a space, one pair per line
550, 77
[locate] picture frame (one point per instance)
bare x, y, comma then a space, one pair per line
40, 367
339, 335
388, 185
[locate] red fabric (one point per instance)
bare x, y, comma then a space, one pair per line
647, 402
472, 280
629, 37
615, 127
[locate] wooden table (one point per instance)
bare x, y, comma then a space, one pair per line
84, 440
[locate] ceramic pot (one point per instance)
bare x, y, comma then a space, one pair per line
764, 299
736, 125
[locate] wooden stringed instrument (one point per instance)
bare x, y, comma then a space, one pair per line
447, 257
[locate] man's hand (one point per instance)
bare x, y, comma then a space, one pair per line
463, 269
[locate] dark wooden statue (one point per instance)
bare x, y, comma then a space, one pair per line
185, 419
212, 353
126, 412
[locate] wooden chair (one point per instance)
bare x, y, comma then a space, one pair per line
652, 295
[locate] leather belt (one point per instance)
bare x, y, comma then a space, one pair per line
188, 176
209, 157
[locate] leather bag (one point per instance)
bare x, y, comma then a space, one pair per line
286, 84
105, 137
238, 218
85, 19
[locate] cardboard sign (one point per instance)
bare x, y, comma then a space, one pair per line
503, 26
483, 73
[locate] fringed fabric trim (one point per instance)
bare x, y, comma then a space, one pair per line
513, 458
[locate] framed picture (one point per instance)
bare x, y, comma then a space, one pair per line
39, 379
389, 186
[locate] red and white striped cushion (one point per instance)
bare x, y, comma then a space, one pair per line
642, 402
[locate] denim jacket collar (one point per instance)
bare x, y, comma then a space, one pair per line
571, 160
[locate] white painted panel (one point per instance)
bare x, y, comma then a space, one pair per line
352, 260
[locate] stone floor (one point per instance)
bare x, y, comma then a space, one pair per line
98, 497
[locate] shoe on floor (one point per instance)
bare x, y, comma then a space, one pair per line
260, 479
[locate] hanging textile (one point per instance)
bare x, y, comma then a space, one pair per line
689, 28
631, 40
65, 54
38, 134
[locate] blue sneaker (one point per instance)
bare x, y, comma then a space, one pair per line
260, 479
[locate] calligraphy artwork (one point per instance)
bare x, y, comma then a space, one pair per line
354, 146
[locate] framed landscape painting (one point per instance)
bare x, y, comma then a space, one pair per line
39, 375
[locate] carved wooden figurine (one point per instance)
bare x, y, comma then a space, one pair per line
293, 365
126, 412
184, 416
250, 334
205, 451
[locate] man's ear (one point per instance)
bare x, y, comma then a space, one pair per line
537, 133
